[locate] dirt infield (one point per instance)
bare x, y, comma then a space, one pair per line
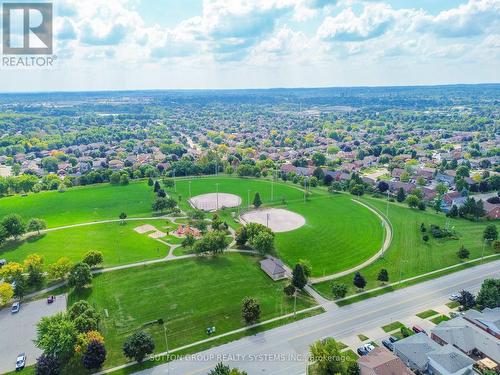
144, 229
280, 220
213, 201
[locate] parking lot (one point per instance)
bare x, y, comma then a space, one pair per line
17, 331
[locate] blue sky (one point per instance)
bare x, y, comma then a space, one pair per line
164, 44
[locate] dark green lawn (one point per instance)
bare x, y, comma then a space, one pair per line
82, 204
120, 244
338, 234
190, 295
408, 254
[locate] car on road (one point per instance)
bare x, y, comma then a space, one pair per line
20, 361
454, 297
51, 299
16, 306
365, 349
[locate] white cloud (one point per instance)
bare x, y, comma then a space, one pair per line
374, 21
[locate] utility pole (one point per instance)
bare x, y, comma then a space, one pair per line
295, 304
482, 252
267, 218
175, 185
217, 187
272, 187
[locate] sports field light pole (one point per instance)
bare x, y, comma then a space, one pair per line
189, 189
162, 322
248, 198
217, 196
272, 187
175, 186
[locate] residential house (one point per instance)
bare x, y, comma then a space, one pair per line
492, 210
394, 186
448, 360
380, 361
414, 350
474, 333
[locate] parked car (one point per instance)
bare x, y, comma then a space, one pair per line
454, 297
16, 306
365, 349
418, 329
20, 361
388, 344
393, 339
3, 262
51, 299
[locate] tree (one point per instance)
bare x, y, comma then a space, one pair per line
241, 236
33, 264
318, 159
463, 253
161, 204
299, 279
188, 241
93, 258
94, 356
157, 187
453, 211
47, 364
3, 234
306, 266
490, 233
401, 195
60, 269
339, 290
466, 299
250, 310
122, 217
438, 202
353, 368
383, 275
212, 242
79, 276
221, 369
138, 346
11, 271
263, 242
36, 225
56, 335
6, 293
382, 186
150, 181
412, 201
20, 286
13, 225
289, 290
114, 179
489, 294
257, 202
327, 356
359, 281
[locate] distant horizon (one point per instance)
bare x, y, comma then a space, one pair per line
123, 45
248, 88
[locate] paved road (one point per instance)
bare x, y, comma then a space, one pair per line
282, 351
17, 331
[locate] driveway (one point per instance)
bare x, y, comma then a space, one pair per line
17, 331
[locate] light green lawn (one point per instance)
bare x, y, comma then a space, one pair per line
408, 254
427, 314
82, 204
120, 244
190, 295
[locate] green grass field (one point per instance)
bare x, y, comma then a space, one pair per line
408, 254
338, 233
427, 314
82, 204
120, 244
190, 295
